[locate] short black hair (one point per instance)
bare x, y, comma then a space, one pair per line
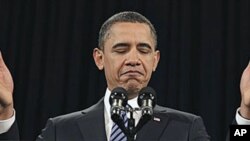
126, 16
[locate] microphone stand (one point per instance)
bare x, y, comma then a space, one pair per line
131, 125
131, 129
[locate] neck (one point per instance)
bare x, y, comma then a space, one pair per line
132, 93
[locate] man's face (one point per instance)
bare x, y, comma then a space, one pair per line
128, 57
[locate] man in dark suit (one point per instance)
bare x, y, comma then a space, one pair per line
128, 55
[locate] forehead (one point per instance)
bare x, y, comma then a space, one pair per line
128, 32
121, 25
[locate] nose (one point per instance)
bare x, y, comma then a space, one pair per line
133, 58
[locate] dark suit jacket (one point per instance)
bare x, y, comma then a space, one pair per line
88, 125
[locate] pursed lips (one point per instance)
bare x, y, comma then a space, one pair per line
132, 72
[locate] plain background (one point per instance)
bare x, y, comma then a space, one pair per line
47, 45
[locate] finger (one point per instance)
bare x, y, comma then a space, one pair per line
2, 64
1, 59
248, 65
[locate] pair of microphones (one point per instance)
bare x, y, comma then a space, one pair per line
119, 103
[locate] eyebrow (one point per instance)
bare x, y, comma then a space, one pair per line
146, 45
120, 44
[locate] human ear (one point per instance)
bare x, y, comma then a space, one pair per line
98, 57
156, 59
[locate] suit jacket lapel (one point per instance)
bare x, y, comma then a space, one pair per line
92, 124
155, 127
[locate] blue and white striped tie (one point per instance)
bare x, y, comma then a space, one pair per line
116, 132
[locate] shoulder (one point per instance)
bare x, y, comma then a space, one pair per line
66, 124
183, 123
67, 117
78, 114
176, 115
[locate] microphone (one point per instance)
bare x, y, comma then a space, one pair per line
146, 100
118, 100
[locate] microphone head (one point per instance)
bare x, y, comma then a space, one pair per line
145, 94
119, 93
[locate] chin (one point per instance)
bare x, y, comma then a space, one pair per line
132, 86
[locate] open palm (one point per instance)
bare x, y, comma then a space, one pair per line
6, 88
245, 92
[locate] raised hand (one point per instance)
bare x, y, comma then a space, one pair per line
6, 91
245, 93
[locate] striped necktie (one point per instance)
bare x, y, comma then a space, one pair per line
116, 132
